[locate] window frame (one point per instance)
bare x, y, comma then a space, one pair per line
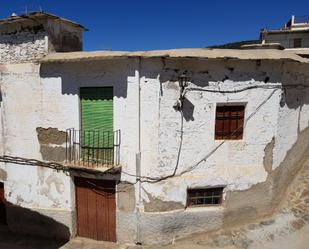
205, 189
225, 137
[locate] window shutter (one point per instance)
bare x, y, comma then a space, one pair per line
97, 108
229, 122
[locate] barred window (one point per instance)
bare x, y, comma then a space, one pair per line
229, 122
204, 196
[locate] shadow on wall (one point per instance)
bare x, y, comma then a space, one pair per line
74, 75
23, 222
188, 110
204, 72
263, 198
26, 35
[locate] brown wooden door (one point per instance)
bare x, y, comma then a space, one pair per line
2, 204
96, 209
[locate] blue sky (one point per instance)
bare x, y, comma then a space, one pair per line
158, 24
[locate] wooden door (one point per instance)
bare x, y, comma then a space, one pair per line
2, 205
96, 209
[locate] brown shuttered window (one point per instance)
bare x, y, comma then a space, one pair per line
204, 197
229, 122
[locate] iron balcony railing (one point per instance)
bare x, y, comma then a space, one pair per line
93, 148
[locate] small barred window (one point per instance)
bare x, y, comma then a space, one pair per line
206, 196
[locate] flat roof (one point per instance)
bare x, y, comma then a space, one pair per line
39, 15
302, 51
283, 31
201, 53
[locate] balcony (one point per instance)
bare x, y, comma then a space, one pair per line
92, 149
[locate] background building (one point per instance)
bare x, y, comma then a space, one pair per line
294, 34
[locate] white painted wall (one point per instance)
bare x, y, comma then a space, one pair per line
53, 101
236, 164
61, 106
47, 96
31, 187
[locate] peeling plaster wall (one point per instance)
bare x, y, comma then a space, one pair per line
294, 114
31, 191
52, 144
236, 164
255, 170
38, 105
60, 94
252, 170
39, 201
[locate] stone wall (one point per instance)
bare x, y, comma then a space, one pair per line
31, 39
22, 46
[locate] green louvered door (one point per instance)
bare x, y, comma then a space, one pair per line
97, 124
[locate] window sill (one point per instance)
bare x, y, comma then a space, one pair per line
218, 141
204, 208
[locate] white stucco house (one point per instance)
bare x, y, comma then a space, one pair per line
120, 146
293, 35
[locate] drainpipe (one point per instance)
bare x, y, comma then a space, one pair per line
138, 160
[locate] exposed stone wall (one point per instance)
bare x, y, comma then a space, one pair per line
32, 39
61, 84
22, 46
52, 144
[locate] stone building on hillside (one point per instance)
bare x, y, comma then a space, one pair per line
143, 147
31, 36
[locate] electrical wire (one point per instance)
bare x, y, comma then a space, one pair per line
232, 91
145, 179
